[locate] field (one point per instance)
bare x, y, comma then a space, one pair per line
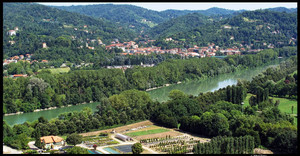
119, 129
146, 132
285, 105
98, 140
57, 70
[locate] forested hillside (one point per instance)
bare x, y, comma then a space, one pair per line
39, 23
138, 18
129, 16
257, 28
180, 24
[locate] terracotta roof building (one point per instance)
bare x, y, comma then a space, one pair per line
52, 141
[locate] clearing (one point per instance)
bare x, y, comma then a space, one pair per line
56, 70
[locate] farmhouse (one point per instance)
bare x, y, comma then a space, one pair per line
123, 137
52, 141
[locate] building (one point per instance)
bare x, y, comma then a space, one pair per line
20, 75
123, 137
52, 141
11, 32
44, 45
12, 42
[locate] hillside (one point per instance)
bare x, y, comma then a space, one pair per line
130, 16
258, 28
180, 24
39, 23
283, 9
138, 18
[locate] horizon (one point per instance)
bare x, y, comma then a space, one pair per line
189, 6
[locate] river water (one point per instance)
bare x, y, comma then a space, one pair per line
193, 87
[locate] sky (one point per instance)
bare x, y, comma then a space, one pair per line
195, 6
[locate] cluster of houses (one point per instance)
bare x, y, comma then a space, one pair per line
22, 58
131, 48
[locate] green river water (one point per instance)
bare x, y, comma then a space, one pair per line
193, 87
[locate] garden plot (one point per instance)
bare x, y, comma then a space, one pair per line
124, 148
98, 140
172, 145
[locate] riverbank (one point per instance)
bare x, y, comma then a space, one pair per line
165, 85
50, 108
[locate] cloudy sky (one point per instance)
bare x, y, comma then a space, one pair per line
195, 6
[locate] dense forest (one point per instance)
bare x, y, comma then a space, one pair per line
216, 114
46, 90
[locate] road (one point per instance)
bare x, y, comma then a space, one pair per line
9, 150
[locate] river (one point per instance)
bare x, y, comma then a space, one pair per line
193, 87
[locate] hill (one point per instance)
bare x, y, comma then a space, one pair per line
39, 23
283, 9
130, 16
180, 24
256, 28
138, 18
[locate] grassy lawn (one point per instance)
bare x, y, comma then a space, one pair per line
57, 70
286, 105
246, 101
152, 131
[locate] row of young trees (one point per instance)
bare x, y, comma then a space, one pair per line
226, 145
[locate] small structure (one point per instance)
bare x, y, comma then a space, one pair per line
52, 141
20, 75
11, 32
44, 45
123, 137
12, 42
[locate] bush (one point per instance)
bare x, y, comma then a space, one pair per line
137, 148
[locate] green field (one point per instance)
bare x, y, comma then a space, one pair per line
57, 70
152, 131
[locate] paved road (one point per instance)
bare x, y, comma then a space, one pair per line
8, 150
32, 146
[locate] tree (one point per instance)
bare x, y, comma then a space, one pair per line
292, 109
137, 148
37, 138
95, 146
74, 139
176, 94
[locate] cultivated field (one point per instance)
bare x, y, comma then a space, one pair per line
147, 132
120, 129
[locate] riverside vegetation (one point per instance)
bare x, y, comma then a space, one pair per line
55, 90
218, 113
